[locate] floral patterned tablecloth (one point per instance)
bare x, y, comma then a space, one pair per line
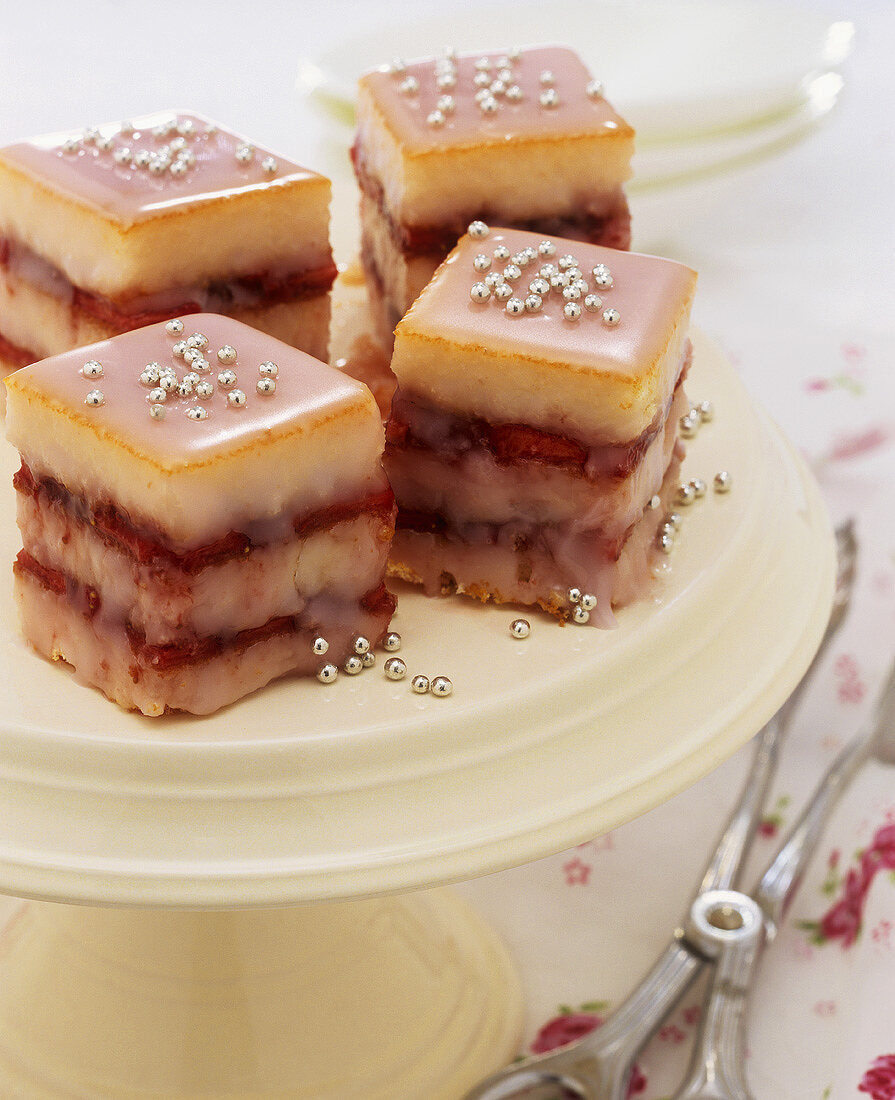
796, 282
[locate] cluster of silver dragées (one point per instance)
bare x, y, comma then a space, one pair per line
164, 381
396, 669
192, 351
582, 605
494, 83
563, 277
364, 657
690, 423
694, 489
174, 157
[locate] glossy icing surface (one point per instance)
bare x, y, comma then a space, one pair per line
651, 296
127, 170
407, 107
306, 392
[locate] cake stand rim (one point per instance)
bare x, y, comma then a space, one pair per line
164, 882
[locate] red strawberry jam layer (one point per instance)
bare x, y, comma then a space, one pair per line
247, 291
609, 226
414, 424
85, 601
147, 547
526, 562
63, 619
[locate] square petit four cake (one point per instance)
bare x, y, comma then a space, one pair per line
523, 139
203, 509
533, 437
124, 225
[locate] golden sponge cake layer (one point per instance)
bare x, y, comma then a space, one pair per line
314, 440
533, 160
600, 379
119, 230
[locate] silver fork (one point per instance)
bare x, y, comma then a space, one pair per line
597, 1067
717, 1069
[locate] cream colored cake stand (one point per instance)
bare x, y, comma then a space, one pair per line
174, 980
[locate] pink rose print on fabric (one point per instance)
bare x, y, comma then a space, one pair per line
671, 1033
850, 688
854, 353
883, 849
565, 1028
577, 872
850, 379
569, 1026
879, 1080
860, 443
882, 934
841, 381
843, 920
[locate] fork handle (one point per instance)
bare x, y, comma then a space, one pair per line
633, 1024
599, 1064
725, 866
717, 1065
781, 880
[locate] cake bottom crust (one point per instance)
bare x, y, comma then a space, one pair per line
104, 657
444, 564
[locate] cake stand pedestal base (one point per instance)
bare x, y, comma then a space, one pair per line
400, 998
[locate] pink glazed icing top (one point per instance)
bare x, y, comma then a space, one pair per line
456, 100
116, 388
647, 296
133, 170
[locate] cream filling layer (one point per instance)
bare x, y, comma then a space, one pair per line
541, 573
168, 605
101, 655
473, 489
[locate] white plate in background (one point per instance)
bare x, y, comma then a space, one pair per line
674, 70
675, 163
